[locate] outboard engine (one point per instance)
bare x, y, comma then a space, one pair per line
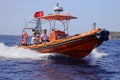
104, 34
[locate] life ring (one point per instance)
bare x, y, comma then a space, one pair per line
24, 38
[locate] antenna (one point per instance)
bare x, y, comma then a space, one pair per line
94, 25
58, 9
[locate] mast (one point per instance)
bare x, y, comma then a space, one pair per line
38, 26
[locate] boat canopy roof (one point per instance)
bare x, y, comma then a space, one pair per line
58, 17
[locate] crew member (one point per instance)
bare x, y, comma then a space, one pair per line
34, 40
44, 37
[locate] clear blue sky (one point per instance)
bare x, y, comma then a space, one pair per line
106, 13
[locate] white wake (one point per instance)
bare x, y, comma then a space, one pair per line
96, 54
15, 52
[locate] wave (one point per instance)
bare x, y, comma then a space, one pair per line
20, 53
96, 54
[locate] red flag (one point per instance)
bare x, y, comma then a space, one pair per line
38, 14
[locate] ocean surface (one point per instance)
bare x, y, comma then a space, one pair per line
21, 64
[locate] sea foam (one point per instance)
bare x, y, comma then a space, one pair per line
96, 54
20, 53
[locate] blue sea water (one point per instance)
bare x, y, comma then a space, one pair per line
20, 64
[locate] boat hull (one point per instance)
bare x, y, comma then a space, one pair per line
78, 46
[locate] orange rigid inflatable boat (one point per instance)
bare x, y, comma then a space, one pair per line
78, 46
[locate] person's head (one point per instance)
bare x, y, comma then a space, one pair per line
44, 31
53, 29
